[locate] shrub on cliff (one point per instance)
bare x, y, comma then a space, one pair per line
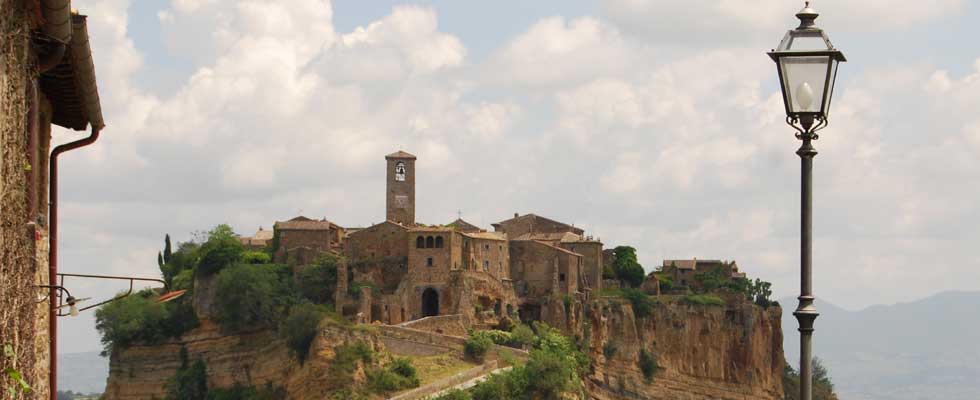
250, 297
397, 376
256, 257
300, 328
642, 304
703, 300
190, 382
647, 364
522, 335
140, 319
477, 345
823, 388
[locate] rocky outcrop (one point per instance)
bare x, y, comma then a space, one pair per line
701, 352
252, 359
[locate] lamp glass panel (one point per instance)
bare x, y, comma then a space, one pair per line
804, 40
830, 90
804, 81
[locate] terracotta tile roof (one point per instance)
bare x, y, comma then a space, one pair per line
401, 154
263, 234
533, 217
302, 223
550, 246
681, 264
564, 237
464, 226
486, 235
356, 231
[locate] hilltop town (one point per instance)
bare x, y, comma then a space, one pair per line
403, 270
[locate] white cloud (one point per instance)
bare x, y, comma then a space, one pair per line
715, 23
677, 153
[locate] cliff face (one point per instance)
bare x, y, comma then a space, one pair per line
702, 352
255, 359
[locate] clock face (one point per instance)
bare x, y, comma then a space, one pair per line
400, 171
401, 201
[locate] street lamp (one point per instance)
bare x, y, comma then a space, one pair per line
807, 67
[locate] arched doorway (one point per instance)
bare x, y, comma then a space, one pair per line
430, 302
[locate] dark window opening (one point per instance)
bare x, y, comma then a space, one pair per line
420, 242
428, 261
439, 242
429, 242
561, 277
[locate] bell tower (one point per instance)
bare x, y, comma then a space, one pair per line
400, 188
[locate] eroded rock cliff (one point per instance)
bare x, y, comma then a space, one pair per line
701, 352
253, 359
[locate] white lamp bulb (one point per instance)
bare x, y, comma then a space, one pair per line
72, 310
804, 96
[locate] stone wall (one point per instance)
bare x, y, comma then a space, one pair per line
23, 322
591, 252
452, 325
487, 255
542, 266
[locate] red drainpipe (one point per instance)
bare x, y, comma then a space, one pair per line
53, 254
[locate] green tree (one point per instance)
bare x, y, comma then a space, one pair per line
823, 388
249, 297
166, 249
626, 267
139, 318
221, 250
300, 328
317, 282
711, 281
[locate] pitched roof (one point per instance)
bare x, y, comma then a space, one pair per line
263, 234
533, 217
486, 235
71, 85
548, 245
355, 231
401, 154
681, 264
302, 223
464, 226
563, 237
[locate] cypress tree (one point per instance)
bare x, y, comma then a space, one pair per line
166, 249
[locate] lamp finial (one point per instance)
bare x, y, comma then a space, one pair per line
807, 15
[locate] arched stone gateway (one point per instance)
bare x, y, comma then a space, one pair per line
430, 302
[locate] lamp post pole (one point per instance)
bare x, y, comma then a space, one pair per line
806, 313
807, 65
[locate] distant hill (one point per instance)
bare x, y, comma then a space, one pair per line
82, 372
926, 349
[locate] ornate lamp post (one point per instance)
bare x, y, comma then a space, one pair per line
807, 67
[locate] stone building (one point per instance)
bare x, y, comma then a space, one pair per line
683, 272
47, 77
306, 239
258, 241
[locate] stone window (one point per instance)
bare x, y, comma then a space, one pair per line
561, 277
486, 247
438, 242
400, 171
430, 242
428, 261
420, 242
486, 266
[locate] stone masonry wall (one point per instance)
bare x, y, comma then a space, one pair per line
21, 317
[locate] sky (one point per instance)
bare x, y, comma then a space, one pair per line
651, 123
